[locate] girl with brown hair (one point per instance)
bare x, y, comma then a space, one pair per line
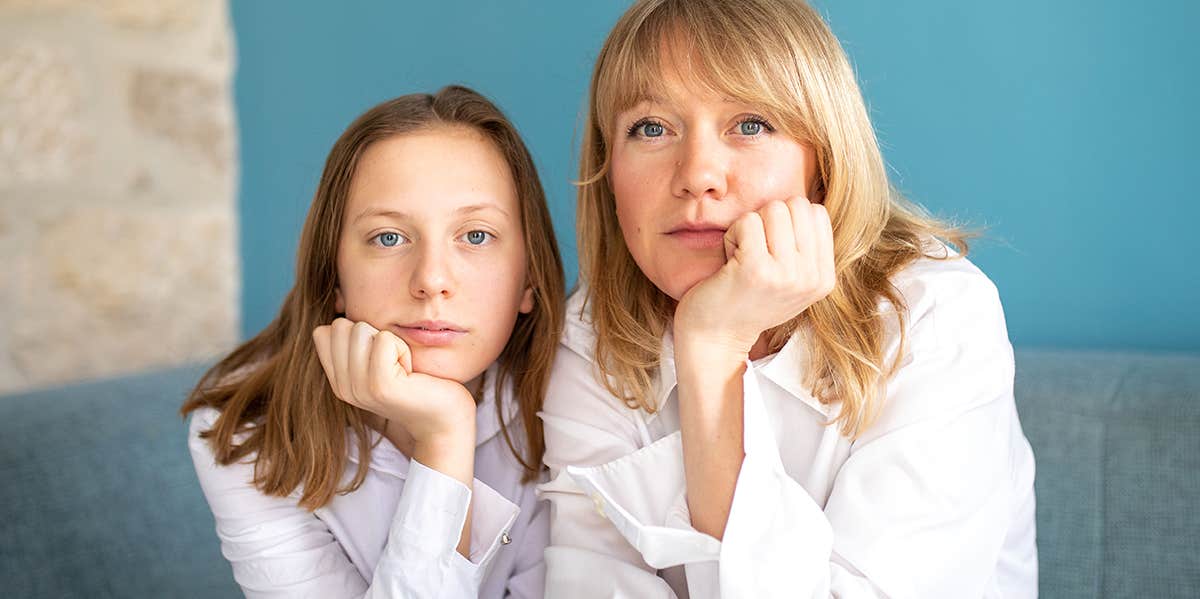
380, 437
777, 379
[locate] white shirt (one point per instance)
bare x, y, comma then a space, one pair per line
935, 499
396, 535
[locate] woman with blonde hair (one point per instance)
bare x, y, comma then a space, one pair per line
778, 378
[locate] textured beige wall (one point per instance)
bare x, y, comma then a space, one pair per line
117, 182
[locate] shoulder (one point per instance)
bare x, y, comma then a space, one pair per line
579, 335
948, 300
955, 357
202, 419
577, 400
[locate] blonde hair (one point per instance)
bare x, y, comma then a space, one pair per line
273, 387
780, 55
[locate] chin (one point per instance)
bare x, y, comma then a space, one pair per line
444, 365
680, 280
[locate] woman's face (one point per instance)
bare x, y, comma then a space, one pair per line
432, 249
685, 165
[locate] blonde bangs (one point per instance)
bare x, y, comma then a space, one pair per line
719, 47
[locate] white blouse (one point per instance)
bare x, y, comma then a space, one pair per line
935, 499
396, 535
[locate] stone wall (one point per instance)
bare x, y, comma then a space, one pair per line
117, 184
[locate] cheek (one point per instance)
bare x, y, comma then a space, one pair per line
497, 283
638, 187
781, 172
369, 289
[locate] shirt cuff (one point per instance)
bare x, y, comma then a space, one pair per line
431, 513
492, 518
776, 537
643, 494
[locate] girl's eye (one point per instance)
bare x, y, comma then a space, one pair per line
753, 125
388, 239
477, 237
646, 128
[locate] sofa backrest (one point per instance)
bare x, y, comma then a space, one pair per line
98, 495
1116, 438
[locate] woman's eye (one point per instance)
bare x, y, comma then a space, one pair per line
752, 126
389, 239
647, 128
477, 237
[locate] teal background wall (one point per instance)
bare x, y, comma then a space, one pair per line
1066, 129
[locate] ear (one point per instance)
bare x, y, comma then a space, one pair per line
339, 302
526, 301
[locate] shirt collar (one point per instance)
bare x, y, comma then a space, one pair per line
785, 368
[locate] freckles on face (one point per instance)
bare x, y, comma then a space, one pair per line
684, 166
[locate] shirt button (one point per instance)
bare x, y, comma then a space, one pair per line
504, 538
598, 504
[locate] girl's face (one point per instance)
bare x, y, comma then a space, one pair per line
685, 165
432, 249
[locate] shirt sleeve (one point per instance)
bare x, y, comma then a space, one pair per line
920, 508
588, 557
530, 535
278, 549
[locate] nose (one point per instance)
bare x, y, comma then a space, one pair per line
432, 275
700, 168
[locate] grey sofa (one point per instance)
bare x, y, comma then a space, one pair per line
98, 497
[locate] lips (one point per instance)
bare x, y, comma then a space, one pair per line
698, 235
430, 332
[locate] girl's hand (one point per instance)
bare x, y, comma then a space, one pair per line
372, 370
779, 261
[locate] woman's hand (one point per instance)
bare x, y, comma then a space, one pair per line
779, 261
372, 370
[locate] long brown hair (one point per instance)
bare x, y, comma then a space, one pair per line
272, 388
781, 55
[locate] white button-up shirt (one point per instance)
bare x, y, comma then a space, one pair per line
935, 499
396, 535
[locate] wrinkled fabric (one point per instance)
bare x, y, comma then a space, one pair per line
395, 536
934, 499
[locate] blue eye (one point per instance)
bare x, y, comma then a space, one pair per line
389, 239
477, 237
646, 128
751, 126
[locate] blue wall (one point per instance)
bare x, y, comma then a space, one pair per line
1064, 128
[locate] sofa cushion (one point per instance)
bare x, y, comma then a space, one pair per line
1116, 438
99, 496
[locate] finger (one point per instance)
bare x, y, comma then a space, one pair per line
339, 351
822, 228
358, 359
321, 337
404, 353
745, 239
802, 223
780, 229
385, 362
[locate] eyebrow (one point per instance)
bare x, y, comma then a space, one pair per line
397, 214
473, 208
653, 98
